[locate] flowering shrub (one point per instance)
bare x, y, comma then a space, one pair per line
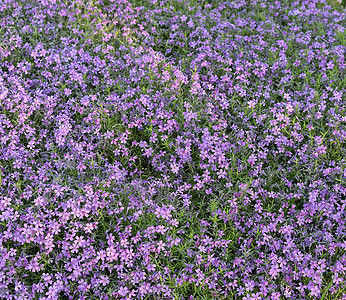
172, 149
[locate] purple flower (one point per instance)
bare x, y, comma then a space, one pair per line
123, 291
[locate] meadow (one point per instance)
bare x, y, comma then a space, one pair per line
173, 149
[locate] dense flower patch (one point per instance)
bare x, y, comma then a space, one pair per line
172, 149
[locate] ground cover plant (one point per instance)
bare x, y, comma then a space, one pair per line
174, 149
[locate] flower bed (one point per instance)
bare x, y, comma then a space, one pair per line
172, 149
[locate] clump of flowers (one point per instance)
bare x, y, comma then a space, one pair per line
172, 150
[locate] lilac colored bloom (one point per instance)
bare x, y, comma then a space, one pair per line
123, 291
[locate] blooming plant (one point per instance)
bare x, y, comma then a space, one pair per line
172, 149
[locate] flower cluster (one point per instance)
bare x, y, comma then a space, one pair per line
172, 150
